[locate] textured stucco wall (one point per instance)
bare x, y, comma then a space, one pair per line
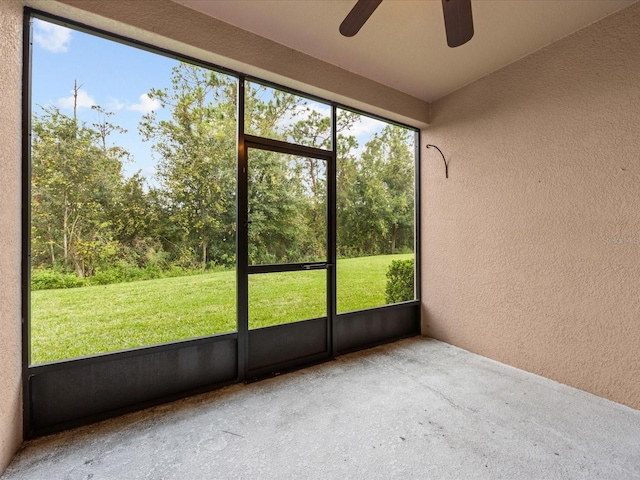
531, 248
10, 161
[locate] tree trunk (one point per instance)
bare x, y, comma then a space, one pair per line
204, 254
51, 246
203, 216
76, 88
65, 226
394, 235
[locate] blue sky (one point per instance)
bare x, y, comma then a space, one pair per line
111, 75
117, 78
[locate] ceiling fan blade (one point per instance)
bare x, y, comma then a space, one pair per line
357, 17
458, 21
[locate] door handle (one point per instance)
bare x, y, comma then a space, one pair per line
314, 266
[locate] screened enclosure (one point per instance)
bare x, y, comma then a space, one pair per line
190, 227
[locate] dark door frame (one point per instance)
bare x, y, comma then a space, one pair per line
284, 336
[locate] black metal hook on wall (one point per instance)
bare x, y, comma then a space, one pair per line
446, 165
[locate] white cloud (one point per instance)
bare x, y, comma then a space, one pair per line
51, 37
365, 126
84, 100
146, 105
114, 104
324, 110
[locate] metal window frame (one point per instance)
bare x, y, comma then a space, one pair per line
364, 328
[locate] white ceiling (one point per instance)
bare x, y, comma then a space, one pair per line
403, 45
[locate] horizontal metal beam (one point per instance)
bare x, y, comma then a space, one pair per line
287, 267
269, 144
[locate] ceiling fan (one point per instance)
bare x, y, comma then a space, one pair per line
458, 21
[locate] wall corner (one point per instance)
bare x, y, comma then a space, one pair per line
11, 27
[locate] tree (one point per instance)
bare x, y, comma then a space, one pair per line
196, 150
267, 117
397, 175
375, 194
75, 177
196, 165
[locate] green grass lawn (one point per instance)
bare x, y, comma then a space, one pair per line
70, 323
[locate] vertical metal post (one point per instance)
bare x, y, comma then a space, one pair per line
242, 248
416, 229
26, 220
332, 235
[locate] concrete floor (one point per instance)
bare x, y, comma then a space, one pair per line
413, 409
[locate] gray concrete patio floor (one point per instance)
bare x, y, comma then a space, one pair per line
417, 408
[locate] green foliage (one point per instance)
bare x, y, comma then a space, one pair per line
124, 273
50, 279
46, 279
400, 275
